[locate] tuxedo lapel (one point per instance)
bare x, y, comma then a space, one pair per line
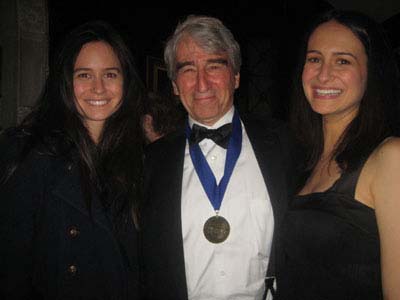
271, 159
167, 171
265, 143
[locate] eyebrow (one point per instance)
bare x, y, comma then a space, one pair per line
335, 53
222, 61
180, 65
106, 69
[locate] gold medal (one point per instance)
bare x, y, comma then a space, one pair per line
216, 229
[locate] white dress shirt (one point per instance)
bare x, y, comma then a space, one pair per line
235, 268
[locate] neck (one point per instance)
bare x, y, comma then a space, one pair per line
95, 131
333, 130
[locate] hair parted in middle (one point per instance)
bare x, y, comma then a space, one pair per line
113, 167
210, 34
379, 108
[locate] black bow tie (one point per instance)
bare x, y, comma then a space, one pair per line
220, 136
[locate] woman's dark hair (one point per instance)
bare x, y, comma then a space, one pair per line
378, 112
112, 169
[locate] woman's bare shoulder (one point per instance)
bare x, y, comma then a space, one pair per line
388, 152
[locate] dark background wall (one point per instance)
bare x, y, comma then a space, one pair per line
267, 36
268, 32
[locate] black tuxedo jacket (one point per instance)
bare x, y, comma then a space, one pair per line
163, 268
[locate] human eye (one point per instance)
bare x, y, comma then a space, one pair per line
215, 67
82, 75
111, 75
187, 69
313, 59
343, 61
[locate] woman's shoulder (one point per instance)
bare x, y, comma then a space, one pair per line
20, 147
384, 161
12, 142
388, 151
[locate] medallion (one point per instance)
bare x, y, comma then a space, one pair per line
216, 229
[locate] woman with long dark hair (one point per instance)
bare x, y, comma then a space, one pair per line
71, 177
340, 238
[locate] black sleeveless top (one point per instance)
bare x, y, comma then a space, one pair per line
330, 246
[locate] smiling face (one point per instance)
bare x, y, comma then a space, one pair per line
335, 71
205, 82
98, 85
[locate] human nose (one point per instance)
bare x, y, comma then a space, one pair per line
202, 81
325, 72
98, 85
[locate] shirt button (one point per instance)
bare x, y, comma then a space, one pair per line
213, 157
73, 232
222, 273
72, 269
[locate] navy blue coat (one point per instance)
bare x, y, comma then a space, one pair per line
51, 248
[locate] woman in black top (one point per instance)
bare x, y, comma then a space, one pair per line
340, 237
71, 177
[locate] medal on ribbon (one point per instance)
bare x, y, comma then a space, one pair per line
216, 229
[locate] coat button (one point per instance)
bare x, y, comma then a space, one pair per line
73, 231
72, 269
69, 167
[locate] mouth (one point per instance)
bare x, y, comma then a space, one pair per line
97, 102
328, 93
204, 96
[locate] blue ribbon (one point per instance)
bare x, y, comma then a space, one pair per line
216, 192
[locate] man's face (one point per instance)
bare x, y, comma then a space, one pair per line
205, 82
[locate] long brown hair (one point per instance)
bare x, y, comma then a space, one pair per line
378, 115
112, 169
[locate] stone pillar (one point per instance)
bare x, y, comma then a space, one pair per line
23, 57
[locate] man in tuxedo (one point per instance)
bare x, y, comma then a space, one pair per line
216, 189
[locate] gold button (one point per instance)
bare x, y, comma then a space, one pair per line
73, 231
72, 269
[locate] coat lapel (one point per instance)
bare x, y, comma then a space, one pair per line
68, 189
265, 143
168, 176
271, 159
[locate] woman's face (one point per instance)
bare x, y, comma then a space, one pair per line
98, 85
335, 72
